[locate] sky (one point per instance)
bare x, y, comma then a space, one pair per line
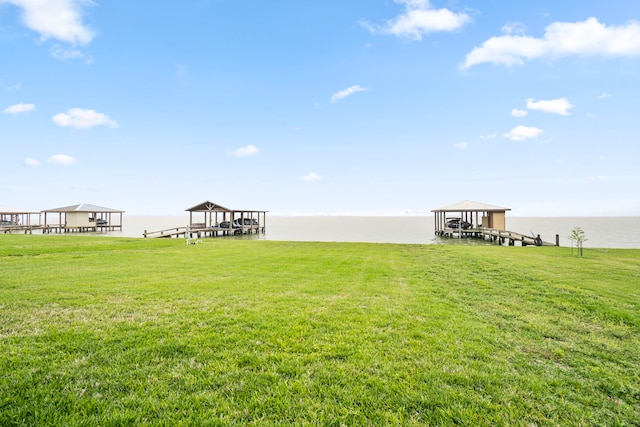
365, 107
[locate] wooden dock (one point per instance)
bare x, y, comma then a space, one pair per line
56, 229
202, 231
17, 229
500, 236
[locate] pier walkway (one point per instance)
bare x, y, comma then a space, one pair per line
14, 228
56, 228
499, 236
203, 231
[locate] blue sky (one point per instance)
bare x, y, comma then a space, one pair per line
321, 107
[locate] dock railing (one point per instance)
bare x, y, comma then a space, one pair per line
494, 234
169, 232
201, 230
26, 229
511, 237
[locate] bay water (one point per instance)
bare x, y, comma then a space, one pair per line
601, 232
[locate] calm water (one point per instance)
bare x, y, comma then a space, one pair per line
601, 232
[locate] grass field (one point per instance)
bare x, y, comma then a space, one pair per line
113, 331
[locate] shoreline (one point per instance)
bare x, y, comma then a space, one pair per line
601, 232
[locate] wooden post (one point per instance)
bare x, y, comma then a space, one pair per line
435, 223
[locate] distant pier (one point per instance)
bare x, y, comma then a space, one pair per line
82, 218
56, 229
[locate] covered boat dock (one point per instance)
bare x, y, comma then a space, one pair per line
82, 218
470, 216
480, 220
18, 220
209, 219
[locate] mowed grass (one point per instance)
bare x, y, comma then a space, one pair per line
113, 331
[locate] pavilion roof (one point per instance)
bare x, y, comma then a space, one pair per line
84, 208
471, 206
14, 211
214, 207
208, 206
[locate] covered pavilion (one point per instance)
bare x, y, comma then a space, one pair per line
475, 213
16, 220
244, 220
83, 218
10, 216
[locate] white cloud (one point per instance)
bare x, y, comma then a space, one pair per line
514, 28
63, 54
418, 19
347, 92
549, 140
62, 160
31, 162
248, 150
311, 177
58, 19
604, 96
461, 145
520, 133
19, 108
560, 39
489, 136
557, 106
519, 113
79, 118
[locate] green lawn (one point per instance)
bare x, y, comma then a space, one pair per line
113, 331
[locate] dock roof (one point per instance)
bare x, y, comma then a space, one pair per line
83, 208
471, 206
214, 207
14, 211
208, 207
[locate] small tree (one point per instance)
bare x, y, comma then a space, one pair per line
578, 236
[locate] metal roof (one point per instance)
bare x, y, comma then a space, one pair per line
84, 208
208, 207
12, 211
214, 207
471, 206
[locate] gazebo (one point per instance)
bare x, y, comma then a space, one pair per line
243, 220
84, 217
475, 213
